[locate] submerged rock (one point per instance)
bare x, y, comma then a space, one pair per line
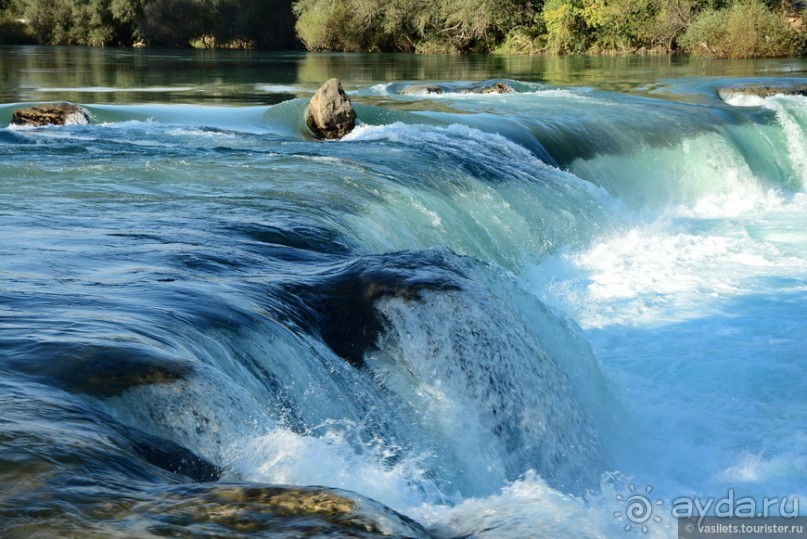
110, 372
57, 114
330, 114
339, 305
301, 512
171, 456
207, 510
288, 511
99, 370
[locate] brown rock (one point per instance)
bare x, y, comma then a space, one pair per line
330, 114
58, 114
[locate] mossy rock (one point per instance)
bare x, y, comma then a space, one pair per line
56, 114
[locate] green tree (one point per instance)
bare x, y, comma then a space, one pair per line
566, 28
12, 31
743, 29
468, 25
671, 20
406, 25
618, 25
79, 22
70, 22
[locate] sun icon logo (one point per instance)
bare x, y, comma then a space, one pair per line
638, 508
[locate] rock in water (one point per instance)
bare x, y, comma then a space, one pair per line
422, 89
481, 88
329, 114
497, 88
58, 114
760, 90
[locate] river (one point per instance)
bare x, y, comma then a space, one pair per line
487, 316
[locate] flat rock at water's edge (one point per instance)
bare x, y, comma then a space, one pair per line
330, 114
255, 510
761, 91
56, 114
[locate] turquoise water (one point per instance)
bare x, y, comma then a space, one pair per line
492, 314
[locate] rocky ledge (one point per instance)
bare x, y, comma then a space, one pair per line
483, 88
761, 91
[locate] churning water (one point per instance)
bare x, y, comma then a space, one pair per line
496, 315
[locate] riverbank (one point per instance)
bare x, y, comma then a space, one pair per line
728, 29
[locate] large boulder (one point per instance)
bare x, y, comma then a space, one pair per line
330, 114
57, 114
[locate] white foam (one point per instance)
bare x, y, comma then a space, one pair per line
696, 316
525, 508
202, 133
381, 89
330, 459
672, 269
15, 127
281, 89
739, 99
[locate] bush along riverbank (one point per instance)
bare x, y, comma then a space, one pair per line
711, 28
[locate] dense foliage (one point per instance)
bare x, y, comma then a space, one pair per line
554, 26
717, 28
742, 30
406, 25
174, 23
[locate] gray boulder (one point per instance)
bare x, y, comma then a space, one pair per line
330, 114
57, 114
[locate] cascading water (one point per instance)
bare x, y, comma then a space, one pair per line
490, 313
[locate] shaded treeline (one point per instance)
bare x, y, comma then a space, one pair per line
717, 28
265, 24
